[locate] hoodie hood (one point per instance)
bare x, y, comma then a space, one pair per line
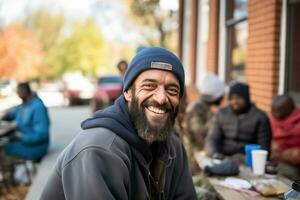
117, 119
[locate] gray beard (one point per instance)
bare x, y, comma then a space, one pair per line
145, 130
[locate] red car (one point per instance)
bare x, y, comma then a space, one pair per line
77, 88
107, 91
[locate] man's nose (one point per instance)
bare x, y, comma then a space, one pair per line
161, 96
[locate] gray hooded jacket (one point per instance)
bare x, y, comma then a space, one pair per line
107, 160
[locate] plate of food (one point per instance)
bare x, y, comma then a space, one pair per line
269, 187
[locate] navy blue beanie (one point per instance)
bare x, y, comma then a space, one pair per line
154, 58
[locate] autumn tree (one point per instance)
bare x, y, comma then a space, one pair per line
46, 26
160, 20
20, 53
83, 50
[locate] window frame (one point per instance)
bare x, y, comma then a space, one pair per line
230, 24
288, 48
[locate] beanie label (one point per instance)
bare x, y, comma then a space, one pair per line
161, 65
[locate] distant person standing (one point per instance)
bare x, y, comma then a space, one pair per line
122, 67
31, 140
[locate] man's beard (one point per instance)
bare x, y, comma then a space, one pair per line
145, 130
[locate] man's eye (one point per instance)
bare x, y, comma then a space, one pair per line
173, 91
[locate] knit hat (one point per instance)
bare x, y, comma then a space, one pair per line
211, 87
154, 58
241, 89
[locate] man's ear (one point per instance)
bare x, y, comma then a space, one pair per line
128, 95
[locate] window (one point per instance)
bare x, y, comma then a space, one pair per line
202, 38
293, 48
237, 36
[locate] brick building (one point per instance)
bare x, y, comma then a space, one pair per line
248, 40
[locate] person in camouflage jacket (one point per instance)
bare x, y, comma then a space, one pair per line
198, 119
199, 114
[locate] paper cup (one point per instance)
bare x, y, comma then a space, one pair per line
259, 158
248, 149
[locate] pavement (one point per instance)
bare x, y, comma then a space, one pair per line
65, 124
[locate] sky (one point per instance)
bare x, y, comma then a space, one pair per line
74, 9
16, 9
109, 14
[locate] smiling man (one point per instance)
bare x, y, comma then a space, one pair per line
129, 150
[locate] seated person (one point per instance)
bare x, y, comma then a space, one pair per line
198, 119
199, 113
31, 140
285, 121
238, 124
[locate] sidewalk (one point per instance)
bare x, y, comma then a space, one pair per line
65, 124
44, 170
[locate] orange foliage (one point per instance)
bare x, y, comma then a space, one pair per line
20, 53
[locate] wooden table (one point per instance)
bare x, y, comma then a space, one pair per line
6, 128
231, 194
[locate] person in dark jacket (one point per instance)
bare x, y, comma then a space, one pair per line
31, 140
238, 124
129, 150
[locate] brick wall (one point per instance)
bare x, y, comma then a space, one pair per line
213, 36
262, 62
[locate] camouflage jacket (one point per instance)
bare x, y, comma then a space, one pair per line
198, 122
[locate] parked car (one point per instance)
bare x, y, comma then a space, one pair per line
77, 88
107, 90
7, 88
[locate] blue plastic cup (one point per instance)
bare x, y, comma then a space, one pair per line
248, 149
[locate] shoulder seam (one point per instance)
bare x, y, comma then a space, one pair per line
83, 149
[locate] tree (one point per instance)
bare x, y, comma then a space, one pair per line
162, 21
83, 50
46, 26
20, 53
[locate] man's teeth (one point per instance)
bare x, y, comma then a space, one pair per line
156, 110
